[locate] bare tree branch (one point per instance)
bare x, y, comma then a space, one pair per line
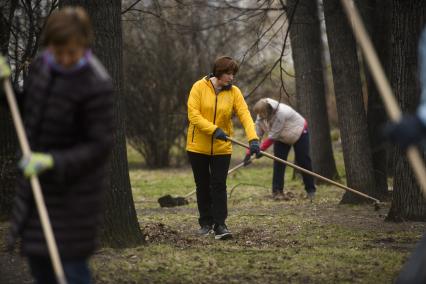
130, 7
278, 62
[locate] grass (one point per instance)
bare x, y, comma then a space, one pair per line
290, 241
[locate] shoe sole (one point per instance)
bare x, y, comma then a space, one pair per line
206, 234
223, 236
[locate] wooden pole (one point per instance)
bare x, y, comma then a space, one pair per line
307, 171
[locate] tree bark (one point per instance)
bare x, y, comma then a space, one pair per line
408, 19
350, 104
310, 92
376, 16
121, 227
8, 162
8, 140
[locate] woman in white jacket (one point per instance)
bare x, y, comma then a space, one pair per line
286, 128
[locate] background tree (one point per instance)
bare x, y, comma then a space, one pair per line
8, 140
306, 49
159, 74
350, 105
121, 227
20, 27
193, 33
408, 19
376, 16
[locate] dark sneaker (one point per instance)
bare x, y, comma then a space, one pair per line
204, 230
277, 195
221, 232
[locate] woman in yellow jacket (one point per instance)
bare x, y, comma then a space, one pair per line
211, 103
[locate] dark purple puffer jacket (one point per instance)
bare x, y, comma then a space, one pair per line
69, 115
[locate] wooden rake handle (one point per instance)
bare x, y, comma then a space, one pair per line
35, 185
383, 86
306, 171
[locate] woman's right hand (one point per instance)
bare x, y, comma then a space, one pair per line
219, 134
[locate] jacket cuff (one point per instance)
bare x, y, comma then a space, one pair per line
58, 166
266, 144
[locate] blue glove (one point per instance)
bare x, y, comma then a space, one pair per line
408, 131
254, 147
219, 134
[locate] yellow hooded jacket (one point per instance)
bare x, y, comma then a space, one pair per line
208, 111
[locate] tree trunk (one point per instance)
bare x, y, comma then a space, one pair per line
6, 12
408, 20
121, 227
376, 16
350, 105
306, 50
8, 162
8, 140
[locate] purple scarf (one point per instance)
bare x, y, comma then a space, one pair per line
50, 60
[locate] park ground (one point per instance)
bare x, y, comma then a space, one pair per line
289, 241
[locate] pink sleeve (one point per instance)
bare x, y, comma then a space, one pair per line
266, 144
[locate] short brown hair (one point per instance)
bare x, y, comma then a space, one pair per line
66, 24
262, 108
224, 65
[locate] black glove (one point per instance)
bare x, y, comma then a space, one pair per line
246, 160
259, 155
408, 131
219, 134
254, 147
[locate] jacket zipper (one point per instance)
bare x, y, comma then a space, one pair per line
193, 132
214, 118
214, 121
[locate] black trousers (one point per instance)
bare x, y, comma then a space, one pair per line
301, 149
210, 173
76, 271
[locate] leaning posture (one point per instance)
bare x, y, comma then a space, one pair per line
286, 128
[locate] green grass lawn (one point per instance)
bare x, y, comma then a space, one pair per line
291, 241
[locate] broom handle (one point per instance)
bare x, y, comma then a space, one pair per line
306, 171
35, 185
383, 85
240, 165
229, 172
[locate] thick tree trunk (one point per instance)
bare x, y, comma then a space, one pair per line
409, 17
7, 8
8, 162
306, 50
121, 227
8, 141
376, 16
350, 105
